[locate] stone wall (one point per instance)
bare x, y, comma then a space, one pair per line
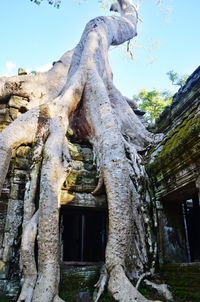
11, 202
184, 280
174, 168
175, 162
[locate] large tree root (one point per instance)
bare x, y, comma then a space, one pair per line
162, 290
121, 288
101, 284
115, 170
78, 92
39, 88
28, 258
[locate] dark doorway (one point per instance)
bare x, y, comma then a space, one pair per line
192, 219
84, 234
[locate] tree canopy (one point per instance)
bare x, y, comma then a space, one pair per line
153, 102
176, 78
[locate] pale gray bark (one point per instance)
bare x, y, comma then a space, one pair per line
38, 88
28, 259
83, 78
162, 289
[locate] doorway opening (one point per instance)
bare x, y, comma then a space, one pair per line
84, 234
180, 226
191, 213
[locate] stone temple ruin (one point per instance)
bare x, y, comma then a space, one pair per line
173, 168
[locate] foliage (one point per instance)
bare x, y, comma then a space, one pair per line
56, 3
176, 78
103, 3
153, 102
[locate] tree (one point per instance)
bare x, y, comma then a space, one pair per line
153, 102
177, 79
78, 93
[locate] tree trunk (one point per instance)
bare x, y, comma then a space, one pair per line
80, 85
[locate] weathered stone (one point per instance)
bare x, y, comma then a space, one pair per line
175, 161
184, 279
70, 132
80, 153
13, 222
66, 197
80, 179
22, 71
3, 270
19, 176
22, 163
174, 168
77, 279
5, 118
17, 102
17, 191
23, 151
83, 200
3, 111
3, 212
14, 113
5, 156
3, 106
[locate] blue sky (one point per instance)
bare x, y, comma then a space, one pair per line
34, 36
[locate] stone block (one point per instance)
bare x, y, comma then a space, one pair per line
14, 216
17, 191
17, 102
5, 118
3, 111
77, 279
14, 113
66, 197
22, 71
22, 163
3, 270
80, 179
83, 199
5, 156
23, 151
19, 176
80, 153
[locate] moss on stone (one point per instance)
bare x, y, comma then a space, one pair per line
81, 181
78, 279
83, 177
4, 299
185, 295
72, 296
75, 151
176, 142
184, 280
